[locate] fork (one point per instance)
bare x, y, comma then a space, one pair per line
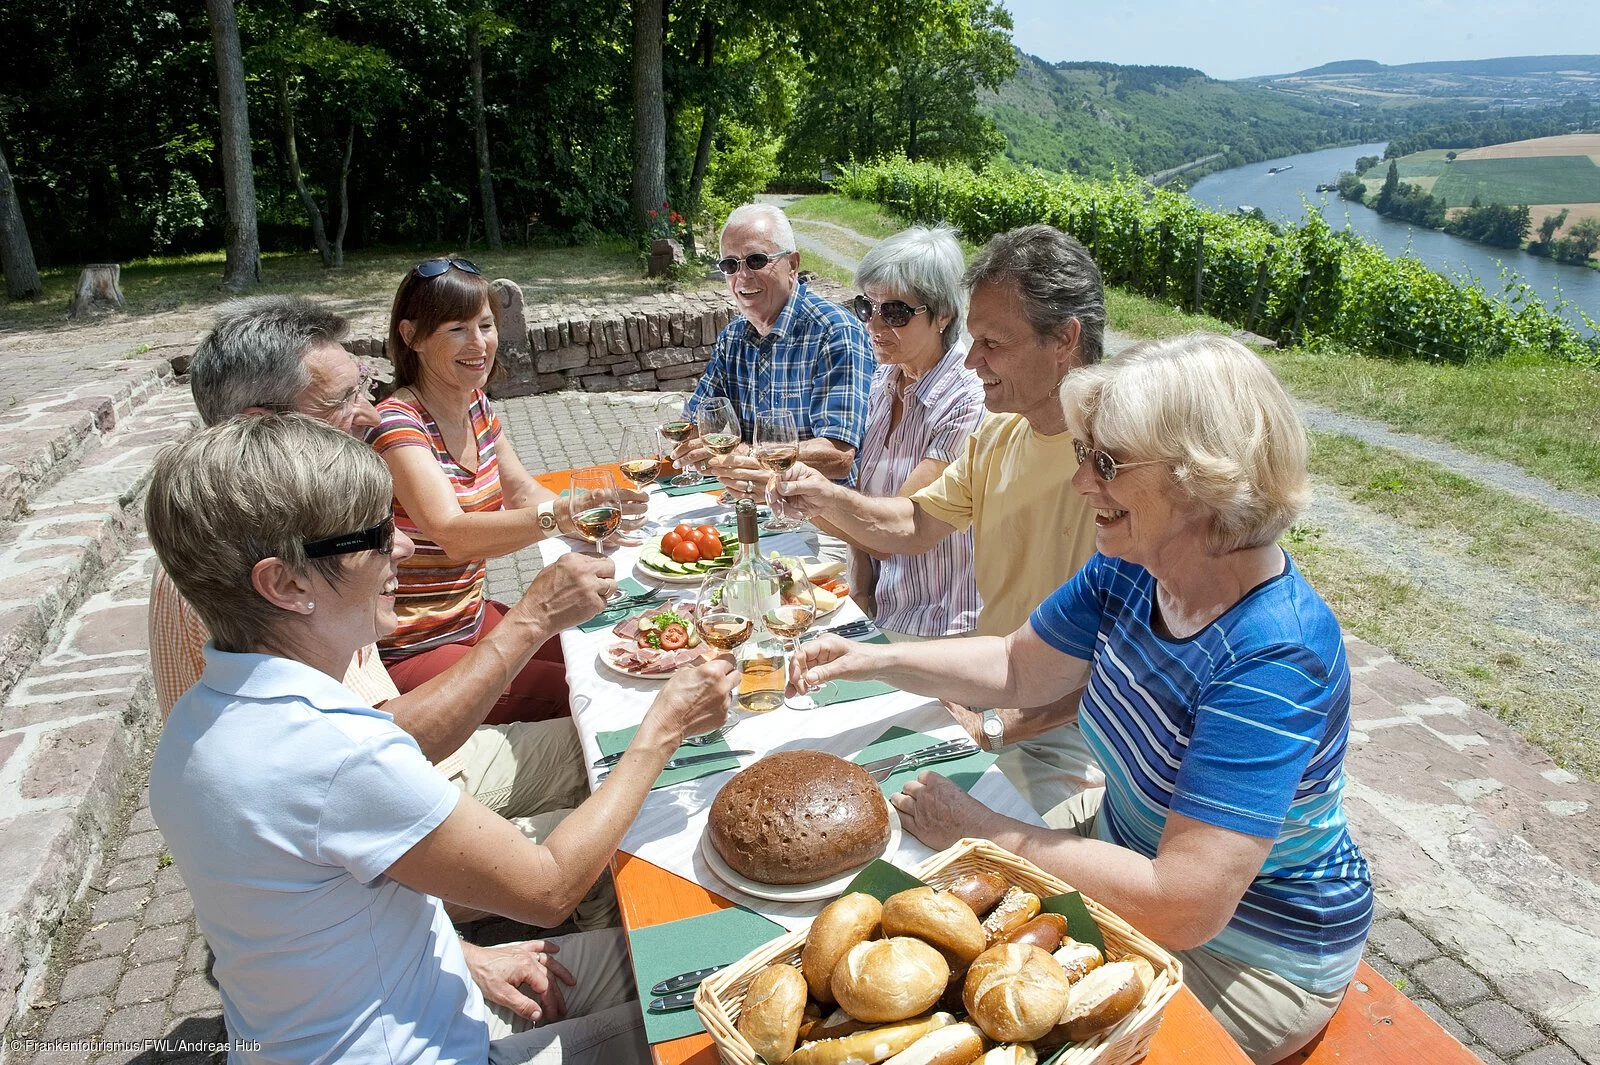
703, 739
942, 752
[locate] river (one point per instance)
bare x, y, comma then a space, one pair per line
1279, 196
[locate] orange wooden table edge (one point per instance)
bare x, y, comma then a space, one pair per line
649, 895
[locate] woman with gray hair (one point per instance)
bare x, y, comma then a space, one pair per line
923, 405
317, 841
1217, 699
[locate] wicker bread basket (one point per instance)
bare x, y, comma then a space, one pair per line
720, 996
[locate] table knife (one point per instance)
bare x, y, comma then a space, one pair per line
685, 981
672, 1003
696, 759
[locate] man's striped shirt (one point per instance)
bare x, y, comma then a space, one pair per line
1242, 726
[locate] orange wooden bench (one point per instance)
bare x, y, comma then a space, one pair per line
1377, 1025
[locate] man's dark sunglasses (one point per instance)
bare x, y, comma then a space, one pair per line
756, 261
896, 313
378, 538
435, 267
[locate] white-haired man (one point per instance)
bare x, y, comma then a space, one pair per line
789, 349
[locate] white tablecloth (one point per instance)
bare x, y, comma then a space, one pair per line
668, 829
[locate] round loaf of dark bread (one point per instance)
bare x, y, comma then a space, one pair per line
796, 817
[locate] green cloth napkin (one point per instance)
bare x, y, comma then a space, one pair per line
607, 618
880, 880
617, 742
675, 947
963, 771
708, 485
848, 691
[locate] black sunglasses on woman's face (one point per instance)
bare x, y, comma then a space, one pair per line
378, 538
897, 314
435, 267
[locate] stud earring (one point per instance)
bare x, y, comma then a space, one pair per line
310, 607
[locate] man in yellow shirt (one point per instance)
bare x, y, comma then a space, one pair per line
1037, 312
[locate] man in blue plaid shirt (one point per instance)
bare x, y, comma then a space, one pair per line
789, 349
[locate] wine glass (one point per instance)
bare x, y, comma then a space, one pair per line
777, 447
724, 616
596, 509
640, 462
719, 431
675, 430
789, 616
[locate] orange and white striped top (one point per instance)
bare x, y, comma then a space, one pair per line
440, 601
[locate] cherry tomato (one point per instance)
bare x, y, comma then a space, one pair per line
840, 589
674, 637
684, 532
686, 551
707, 541
701, 530
670, 541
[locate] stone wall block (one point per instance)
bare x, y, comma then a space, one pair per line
536, 338
637, 381
675, 328
652, 332
565, 359
655, 360
552, 336
630, 333
678, 373
578, 329
550, 382
563, 334
616, 337
626, 366
600, 383
708, 327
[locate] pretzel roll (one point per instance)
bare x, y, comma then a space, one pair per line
957, 1044
1044, 931
1016, 908
980, 890
936, 917
1015, 993
871, 1046
1102, 999
842, 924
890, 979
1077, 958
772, 1011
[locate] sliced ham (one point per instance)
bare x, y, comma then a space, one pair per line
626, 629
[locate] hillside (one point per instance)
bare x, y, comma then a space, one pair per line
1512, 81
1090, 118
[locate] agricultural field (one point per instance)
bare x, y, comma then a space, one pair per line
1548, 173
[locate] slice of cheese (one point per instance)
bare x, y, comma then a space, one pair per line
821, 571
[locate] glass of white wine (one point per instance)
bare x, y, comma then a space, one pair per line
777, 447
728, 614
640, 462
596, 508
790, 616
675, 430
719, 429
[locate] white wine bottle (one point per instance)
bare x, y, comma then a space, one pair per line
753, 584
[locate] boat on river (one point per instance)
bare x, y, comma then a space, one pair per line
1280, 169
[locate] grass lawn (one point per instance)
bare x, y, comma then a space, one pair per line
610, 269
1539, 179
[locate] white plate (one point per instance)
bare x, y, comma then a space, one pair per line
812, 892
604, 658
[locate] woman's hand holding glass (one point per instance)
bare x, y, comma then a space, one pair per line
777, 449
641, 460
804, 490
789, 618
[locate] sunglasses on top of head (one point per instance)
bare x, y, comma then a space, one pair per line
435, 267
756, 261
379, 537
895, 313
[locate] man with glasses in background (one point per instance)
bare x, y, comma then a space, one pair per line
282, 354
1037, 312
789, 349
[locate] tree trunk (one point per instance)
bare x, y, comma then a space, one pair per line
344, 194
480, 127
99, 289
708, 131
238, 174
291, 151
16, 250
649, 114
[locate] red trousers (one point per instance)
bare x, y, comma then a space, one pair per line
538, 693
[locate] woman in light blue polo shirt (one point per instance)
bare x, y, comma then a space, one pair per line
1217, 699
315, 838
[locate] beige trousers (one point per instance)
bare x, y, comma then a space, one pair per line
1051, 768
602, 1026
531, 773
1269, 1017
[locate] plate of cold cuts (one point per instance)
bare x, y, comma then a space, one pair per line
655, 643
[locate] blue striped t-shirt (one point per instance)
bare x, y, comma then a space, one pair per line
1242, 726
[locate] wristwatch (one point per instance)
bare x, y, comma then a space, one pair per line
994, 730
547, 516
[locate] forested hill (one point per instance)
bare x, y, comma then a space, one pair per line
1089, 118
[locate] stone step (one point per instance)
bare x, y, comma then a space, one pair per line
45, 435
69, 731
69, 534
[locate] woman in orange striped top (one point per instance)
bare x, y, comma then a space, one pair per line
461, 494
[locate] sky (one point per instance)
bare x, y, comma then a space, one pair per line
1246, 38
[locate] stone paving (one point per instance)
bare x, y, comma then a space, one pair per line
1481, 847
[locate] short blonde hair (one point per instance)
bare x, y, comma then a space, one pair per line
1212, 411
254, 488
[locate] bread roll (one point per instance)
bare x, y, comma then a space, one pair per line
842, 924
980, 890
890, 979
774, 1006
1015, 993
869, 1047
1102, 999
1016, 908
1078, 958
1044, 931
936, 917
1010, 1054
958, 1044
839, 1023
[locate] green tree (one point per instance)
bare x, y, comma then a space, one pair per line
1391, 186
1551, 223
243, 267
